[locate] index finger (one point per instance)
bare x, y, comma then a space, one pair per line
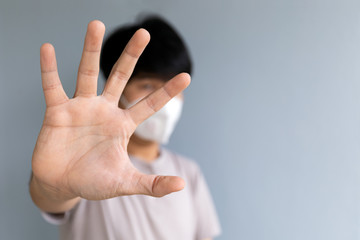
155, 101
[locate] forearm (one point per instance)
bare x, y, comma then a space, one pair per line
47, 200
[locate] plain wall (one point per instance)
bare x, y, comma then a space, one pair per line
272, 115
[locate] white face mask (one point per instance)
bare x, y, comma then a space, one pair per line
161, 124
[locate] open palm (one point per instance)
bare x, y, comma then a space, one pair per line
81, 150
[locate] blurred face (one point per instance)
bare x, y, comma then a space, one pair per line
139, 88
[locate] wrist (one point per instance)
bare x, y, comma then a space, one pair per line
50, 199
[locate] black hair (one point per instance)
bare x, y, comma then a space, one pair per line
165, 56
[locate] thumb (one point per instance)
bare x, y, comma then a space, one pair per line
158, 186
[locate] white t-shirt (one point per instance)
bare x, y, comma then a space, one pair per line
185, 215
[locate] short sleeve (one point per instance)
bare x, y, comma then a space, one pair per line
208, 225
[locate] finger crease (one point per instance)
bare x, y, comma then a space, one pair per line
51, 87
121, 75
50, 71
150, 104
88, 72
155, 182
132, 55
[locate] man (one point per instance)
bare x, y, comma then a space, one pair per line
87, 158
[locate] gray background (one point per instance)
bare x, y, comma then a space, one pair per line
272, 115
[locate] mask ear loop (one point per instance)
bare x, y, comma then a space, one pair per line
126, 103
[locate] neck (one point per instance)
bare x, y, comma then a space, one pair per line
146, 151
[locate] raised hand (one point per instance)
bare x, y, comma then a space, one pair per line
81, 150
